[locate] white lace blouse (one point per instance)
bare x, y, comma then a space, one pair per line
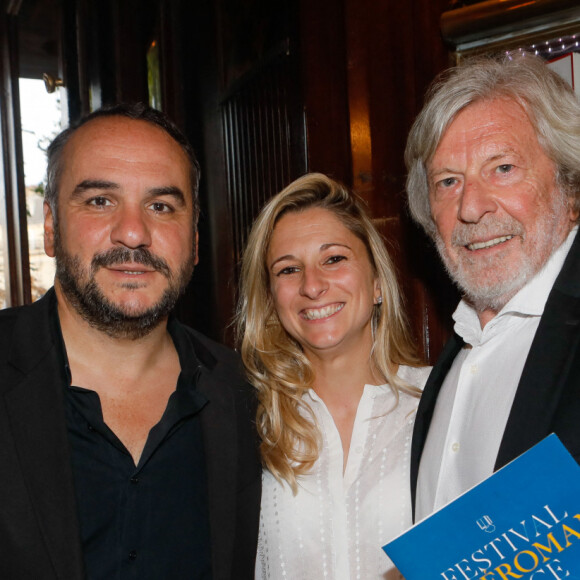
336, 524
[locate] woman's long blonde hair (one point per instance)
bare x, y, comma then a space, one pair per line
275, 362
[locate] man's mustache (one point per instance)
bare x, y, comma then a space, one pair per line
126, 256
464, 234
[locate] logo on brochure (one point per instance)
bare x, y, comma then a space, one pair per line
486, 524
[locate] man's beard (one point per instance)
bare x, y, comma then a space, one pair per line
490, 282
84, 294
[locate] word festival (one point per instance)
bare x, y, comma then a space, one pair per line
529, 550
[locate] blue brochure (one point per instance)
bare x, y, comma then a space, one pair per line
521, 523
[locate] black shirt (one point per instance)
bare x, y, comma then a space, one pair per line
148, 521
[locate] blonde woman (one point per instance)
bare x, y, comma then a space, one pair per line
325, 343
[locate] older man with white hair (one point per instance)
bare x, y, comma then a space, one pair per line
494, 179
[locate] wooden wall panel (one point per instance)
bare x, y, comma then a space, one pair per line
257, 140
321, 37
338, 98
394, 50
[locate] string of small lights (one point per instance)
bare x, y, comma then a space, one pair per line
551, 49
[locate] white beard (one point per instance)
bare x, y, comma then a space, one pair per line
490, 282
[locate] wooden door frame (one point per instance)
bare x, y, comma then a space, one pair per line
17, 267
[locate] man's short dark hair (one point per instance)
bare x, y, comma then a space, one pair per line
137, 112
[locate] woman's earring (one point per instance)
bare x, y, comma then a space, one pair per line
379, 300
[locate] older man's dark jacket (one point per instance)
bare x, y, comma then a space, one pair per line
547, 399
39, 531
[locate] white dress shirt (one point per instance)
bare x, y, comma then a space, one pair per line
476, 397
336, 524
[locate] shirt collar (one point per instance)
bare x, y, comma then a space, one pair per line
186, 350
529, 301
188, 359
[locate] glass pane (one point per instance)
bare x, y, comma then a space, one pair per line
154, 76
41, 122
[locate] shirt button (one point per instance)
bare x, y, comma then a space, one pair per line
134, 480
133, 555
455, 447
474, 369
359, 449
90, 427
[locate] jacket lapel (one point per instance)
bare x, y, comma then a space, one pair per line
548, 364
220, 457
36, 415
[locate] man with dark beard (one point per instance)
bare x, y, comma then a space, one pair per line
494, 179
127, 448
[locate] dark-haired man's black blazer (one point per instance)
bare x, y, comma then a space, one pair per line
39, 532
548, 395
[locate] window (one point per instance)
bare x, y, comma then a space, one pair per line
41, 121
